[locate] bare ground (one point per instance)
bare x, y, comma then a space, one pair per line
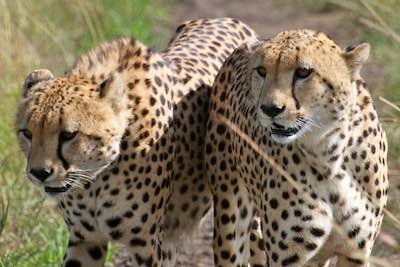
267, 17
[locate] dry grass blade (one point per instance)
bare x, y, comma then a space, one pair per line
390, 241
349, 5
376, 261
45, 29
389, 103
3, 214
88, 19
375, 14
383, 27
379, 25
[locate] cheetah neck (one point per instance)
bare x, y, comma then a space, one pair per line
110, 57
326, 154
328, 150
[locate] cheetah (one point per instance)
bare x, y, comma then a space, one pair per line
118, 140
293, 135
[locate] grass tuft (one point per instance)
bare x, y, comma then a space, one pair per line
48, 34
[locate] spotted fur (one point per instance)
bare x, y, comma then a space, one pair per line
118, 140
301, 99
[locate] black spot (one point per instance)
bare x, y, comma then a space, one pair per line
128, 214
113, 222
221, 129
275, 257
225, 219
137, 242
124, 146
114, 192
361, 244
136, 230
116, 234
352, 233
225, 254
183, 188
310, 246
158, 80
273, 203
73, 263
318, 232
95, 253
297, 228
225, 204
243, 213
290, 260
145, 197
284, 214
333, 198
295, 158
144, 218
87, 226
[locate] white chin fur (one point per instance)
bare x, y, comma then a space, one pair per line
284, 139
55, 195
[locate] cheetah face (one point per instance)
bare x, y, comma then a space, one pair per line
302, 84
69, 129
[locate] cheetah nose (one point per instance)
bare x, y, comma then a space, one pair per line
41, 173
273, 110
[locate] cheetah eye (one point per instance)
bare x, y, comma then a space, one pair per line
302, 73
26, 133
67, 136
261, 71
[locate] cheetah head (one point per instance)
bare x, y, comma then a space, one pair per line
69, 128
302, 84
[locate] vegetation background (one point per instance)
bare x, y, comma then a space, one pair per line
52, 33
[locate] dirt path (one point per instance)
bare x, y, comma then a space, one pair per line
268, 18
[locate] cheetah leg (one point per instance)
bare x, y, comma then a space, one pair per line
80, 254
257, 245
151, 253
233, 213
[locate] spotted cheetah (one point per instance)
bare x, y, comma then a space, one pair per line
118, 140
293, 135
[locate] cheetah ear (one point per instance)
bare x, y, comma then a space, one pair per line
255, 47
35, 77
355, 57
112, 89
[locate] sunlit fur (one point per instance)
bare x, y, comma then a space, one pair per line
309, 102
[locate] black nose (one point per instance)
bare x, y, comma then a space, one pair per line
273, 110
41, 174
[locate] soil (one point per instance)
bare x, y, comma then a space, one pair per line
267, 17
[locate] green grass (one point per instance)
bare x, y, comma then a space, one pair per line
48, 34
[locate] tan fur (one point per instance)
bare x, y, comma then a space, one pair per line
133, 125
322, 130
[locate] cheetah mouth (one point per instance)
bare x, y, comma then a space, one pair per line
53, 191
281, 131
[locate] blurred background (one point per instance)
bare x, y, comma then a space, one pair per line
51, 34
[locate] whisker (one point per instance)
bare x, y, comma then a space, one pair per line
309, 121
81, 175
75, 183
78, 177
